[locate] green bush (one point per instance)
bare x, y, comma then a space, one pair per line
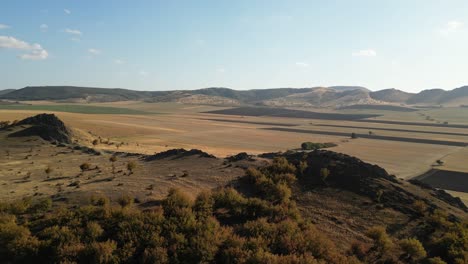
412, 249
382, 241
314, 146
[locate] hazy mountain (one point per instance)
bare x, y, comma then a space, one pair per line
391, 95
2, 92
334, 96
73, 92
348, 88
431, 96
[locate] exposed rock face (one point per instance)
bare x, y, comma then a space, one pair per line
47, 126
178, 153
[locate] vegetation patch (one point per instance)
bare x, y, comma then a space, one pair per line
314, 146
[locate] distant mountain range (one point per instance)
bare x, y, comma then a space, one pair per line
334, 96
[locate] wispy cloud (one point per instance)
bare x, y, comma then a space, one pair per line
67, 11
3, 26
33, 51
143, 73
302, 64
73, 32
221, 70
44, 27
451, 27
119, 61
94, 51
364, 53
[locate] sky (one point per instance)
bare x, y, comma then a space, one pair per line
244, 44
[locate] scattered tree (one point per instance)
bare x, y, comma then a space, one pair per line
353, 135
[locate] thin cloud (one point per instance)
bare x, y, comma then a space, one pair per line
143, 73
3, 26
67, 11
302, 64
451, 27
33, 51
364, 53
221, 70
43, 27
94, 51
119, 61
73, 32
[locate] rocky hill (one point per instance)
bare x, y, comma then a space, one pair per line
45, 126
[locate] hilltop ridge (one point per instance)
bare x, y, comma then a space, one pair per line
329, 97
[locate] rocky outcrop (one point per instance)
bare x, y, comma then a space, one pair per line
178, 153
336, 170
47, 126
239, 157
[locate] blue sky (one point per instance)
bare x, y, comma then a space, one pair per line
245, 44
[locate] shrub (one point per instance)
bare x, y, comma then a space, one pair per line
99, 200
48, 171
42, 205
436, 260
413, 249
359, 249
93, 230
382, 241
101, 252
324, 173
85, 166
175, 201
155, 255
203, 205
420, 207
125, 201
131, 165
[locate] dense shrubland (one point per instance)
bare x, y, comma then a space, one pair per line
262, 225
